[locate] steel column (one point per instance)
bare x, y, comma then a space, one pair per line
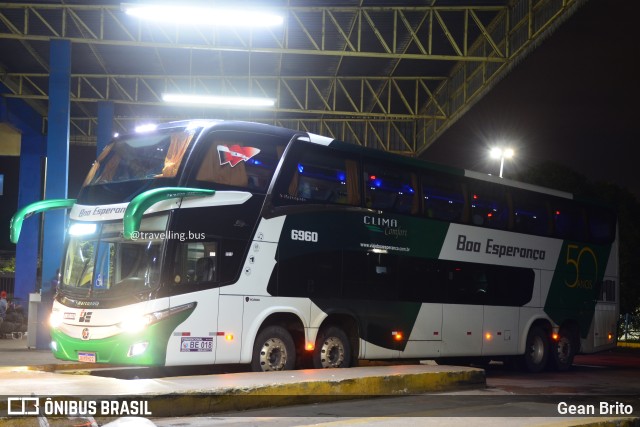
57, 169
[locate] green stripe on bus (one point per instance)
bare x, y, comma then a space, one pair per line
142, 202
44, 205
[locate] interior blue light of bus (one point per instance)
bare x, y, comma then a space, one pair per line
390, 185
255, 162
322, 173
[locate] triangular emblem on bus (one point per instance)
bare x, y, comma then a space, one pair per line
234, 154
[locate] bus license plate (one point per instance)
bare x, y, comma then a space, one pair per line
196, 344
87, 357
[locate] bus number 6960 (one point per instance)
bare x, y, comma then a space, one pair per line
305, 236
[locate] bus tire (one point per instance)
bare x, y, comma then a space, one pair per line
333, 349
536, 351
274, 350
563, 350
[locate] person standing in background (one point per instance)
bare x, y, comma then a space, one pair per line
3, 306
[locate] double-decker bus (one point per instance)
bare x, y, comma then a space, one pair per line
205, 242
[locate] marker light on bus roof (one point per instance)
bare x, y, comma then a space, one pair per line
82, 228
147, 127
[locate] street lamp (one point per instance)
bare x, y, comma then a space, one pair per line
500, 153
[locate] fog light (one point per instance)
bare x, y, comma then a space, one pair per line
54, 346
137, 349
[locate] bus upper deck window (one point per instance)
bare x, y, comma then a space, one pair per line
318, 175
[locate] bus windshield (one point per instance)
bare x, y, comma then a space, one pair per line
142, 156
108, 264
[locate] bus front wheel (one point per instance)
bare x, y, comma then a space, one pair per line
332, 349
274, 350
537, 350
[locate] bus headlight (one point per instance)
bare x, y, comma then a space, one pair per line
138, 323
55, 319
135, 324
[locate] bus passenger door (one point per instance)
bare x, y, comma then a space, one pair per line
194, 297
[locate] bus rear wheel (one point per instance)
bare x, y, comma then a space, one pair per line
563, 350
537, 350
274, 350
332, 349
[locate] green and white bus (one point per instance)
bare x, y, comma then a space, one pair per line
206, 242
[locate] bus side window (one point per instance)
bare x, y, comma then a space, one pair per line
444, 198
205, 269
391, 189
602, 225
212, 169
195, 262
228, 159
489, 206
569, 220
531, 213
314, 174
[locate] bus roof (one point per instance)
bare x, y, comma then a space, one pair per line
355, 148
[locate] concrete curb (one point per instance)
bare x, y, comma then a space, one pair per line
314, 391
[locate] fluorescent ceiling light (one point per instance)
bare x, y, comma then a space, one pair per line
229, 101
203, 15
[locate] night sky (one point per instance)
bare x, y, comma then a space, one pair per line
575, 100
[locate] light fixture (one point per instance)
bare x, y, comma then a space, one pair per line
147, 127
229, 101
500, 153
194, 15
